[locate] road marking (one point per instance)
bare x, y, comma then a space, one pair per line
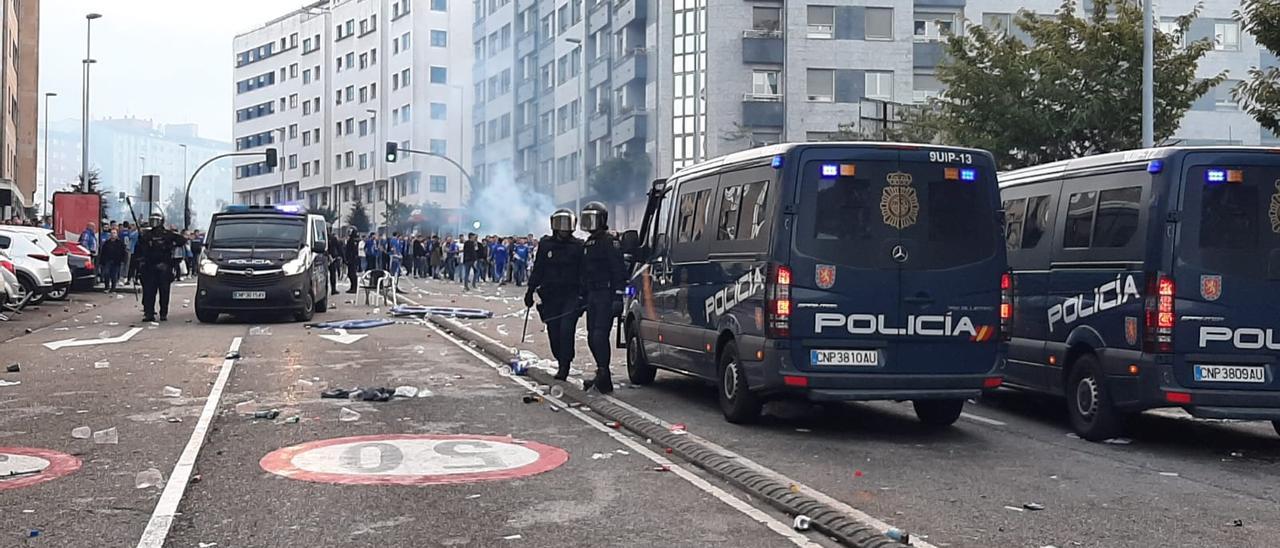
343, 337
162, 518
27, 466
982, 419
55, 345
732, 501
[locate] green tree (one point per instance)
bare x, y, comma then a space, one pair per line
173, 209
902, 124
93, 187
328, 213
358, 218
1072, 88
621, 177
395, 215
1260, 94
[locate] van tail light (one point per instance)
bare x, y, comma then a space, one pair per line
1006, 305
39, 257
1161, 294
777, 292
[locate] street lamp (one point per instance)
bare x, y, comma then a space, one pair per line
580, 43
284, 164
44, 208
373, 114
84, 122
184, 173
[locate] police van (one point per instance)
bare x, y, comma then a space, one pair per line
1147, 279
263, 258
831, 271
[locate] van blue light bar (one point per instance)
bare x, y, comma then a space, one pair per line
830, 170
968, 174
1215, 176
1155, 166
777, 162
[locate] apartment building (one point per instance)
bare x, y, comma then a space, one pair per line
330, 83
19, 104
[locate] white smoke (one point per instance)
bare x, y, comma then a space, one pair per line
507, 207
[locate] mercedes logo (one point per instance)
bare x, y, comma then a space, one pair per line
249, 271
899, 254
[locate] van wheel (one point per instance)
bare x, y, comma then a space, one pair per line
737, 401
32, 289
308, 310
206, 316
639, 370
1089, 403
938, 412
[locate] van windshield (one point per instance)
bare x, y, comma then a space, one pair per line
257, 232
868, 207
1239, 218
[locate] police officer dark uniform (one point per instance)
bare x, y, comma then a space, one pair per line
351, 253
335, 250
604, 283
156, 247
557, 279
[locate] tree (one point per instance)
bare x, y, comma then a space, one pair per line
623, 177
1073, 88
94, 187
328, 213
395, 215
902, 123
1260, 94
173, 209
358, 218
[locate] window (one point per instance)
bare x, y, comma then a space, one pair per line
395, 81
439, 75
1079, 228
306, 169
346, 158
742, 211
1117, 217
1015, 211
925, 85
879, 23
577, 11
364, 127
293, 131
999, 22
364, 94
364, 161
693, 210
439, 5
351, 93
822, 22
1170, 28
405, 115
766, 19
293, 161
439, 146
1222, 98
933, 25
350, 125
306, 76
879, 85
364, 60
439, 111
1039, 220
764, 85
1226, 36
306, 138
439, 38
438, 183
821, 85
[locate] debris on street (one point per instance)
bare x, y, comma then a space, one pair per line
801, 523
148, 478
171, 392
1033, 506
13, 368
106, 437
347, 415
4, 383
81, 432
898, 535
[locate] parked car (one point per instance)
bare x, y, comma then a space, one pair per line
84, 273
10, 290
41, 268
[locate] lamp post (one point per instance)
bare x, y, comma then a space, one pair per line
373, 115
184, 177
44, 207
84, 117
1148, 77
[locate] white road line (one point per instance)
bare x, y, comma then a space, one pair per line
736, 503
162, 518
983, 420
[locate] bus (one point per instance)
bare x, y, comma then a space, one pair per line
1146, 279
824, 271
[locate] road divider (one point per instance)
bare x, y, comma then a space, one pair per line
826, 518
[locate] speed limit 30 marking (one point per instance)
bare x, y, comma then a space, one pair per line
27, 466
413, 459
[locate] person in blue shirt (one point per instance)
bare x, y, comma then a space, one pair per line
395, 254
499, 255
89, 239
520, 261
370, 260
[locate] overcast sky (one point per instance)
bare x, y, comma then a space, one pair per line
167, 60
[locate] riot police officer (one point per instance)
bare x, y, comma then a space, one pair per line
604, 282
557, 279
156, 248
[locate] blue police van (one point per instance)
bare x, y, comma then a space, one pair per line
1147, 279
826, 271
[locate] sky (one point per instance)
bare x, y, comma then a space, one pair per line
167, 60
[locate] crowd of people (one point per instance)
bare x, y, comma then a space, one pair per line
467, 259
113, 249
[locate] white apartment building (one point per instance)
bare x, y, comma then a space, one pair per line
330, 83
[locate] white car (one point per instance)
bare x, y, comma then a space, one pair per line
10, 290
41, 266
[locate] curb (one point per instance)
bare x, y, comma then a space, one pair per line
825, 519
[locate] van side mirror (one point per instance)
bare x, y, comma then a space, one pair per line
319, 246
631, 248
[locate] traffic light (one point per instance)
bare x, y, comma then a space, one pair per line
392, 151
273, 158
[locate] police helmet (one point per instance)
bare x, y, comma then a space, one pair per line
595, 217
563, 220
157, 218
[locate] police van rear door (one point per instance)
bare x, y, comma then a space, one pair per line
897, 261
1227, 272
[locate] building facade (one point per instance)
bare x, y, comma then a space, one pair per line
19, 104
327, 85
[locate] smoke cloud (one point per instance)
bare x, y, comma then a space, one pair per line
506, 207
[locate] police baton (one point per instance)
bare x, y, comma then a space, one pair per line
524, 331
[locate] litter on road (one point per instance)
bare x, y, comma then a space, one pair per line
9, 383
898, 535
81, 432
172, 392
351, 324
13, 368
148, 478
1033, 506
801, 523
106, 437
347, 415
446, 311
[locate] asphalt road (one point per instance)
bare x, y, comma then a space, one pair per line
467, 463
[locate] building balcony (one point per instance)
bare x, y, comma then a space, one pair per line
598, 72
762, 47
626, 12
631, 123
598, 126
525, 91
527, 137
762, 113
527, 45
633, 65
598, 18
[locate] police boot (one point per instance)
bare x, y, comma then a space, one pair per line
563, 372
602, 382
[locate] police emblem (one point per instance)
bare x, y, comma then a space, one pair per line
825, 276
1274, 211
899, 204
1131, 330
1210, 287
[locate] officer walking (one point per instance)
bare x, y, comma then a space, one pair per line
335, 250
156, 248
604, 282
352, 256
557, 279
